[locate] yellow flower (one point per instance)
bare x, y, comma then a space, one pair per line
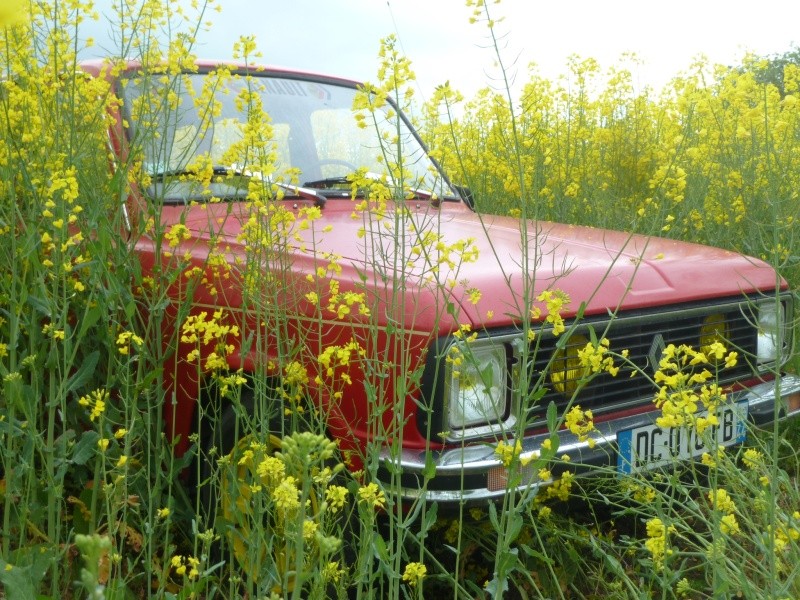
508, 452
309, 529
580, 423
414, 573
50, 330
332, 572
336, 496
753, 459
177, 234
286, 495
125, 340
728, 525
657, 540
371, 495
123, 460
96, 401
555, 302
721, 501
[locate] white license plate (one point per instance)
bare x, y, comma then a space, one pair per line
651, 447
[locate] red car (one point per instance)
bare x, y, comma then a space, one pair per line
452, 333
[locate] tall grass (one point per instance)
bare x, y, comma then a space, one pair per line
101, 500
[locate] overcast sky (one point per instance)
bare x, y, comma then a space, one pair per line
342, 37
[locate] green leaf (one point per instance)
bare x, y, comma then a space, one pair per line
493, 516
495, 587
16, 582
39, 305
379, 547
28, 570
84, 372
430, 517
581, 310
487, 377
85, 448
552, 417
89, 320
533, 553
507, 561
514, 526
430, 467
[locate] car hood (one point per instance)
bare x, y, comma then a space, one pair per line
505, 263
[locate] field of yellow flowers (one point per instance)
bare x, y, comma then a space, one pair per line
96, 504
711, 158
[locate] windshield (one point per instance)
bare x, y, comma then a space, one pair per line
303, 132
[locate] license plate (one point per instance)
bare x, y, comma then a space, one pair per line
651, 447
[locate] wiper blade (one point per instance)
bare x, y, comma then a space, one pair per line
178, 186
302, 192
410, 194
327, 182
216, 170
294, 191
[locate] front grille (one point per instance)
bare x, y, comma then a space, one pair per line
643, 335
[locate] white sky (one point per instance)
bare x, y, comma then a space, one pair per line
342, 37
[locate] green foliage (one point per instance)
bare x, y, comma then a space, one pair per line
770, 70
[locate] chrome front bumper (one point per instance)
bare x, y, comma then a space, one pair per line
474, 474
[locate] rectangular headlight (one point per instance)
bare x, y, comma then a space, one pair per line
772, 344
477, 393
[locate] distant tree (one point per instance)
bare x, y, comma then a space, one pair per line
772, 70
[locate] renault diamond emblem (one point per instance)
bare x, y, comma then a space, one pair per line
655, 352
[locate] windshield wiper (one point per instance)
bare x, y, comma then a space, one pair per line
177, 186
306, 193
291, 191
329, 182
216, 170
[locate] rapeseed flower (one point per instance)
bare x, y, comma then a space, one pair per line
371, 495
336, 496
580, 423
12, 12
414, 573
286, 495
507, 453
95, 401
657, 542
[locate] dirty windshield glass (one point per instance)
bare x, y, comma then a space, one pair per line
314, 137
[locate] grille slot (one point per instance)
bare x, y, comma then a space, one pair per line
638, 334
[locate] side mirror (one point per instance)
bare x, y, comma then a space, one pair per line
466, 195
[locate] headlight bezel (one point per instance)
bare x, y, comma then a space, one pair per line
771, 328
478, 355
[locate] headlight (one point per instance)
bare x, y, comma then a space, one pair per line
567, 371
478, 391
714, 330
771, 318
